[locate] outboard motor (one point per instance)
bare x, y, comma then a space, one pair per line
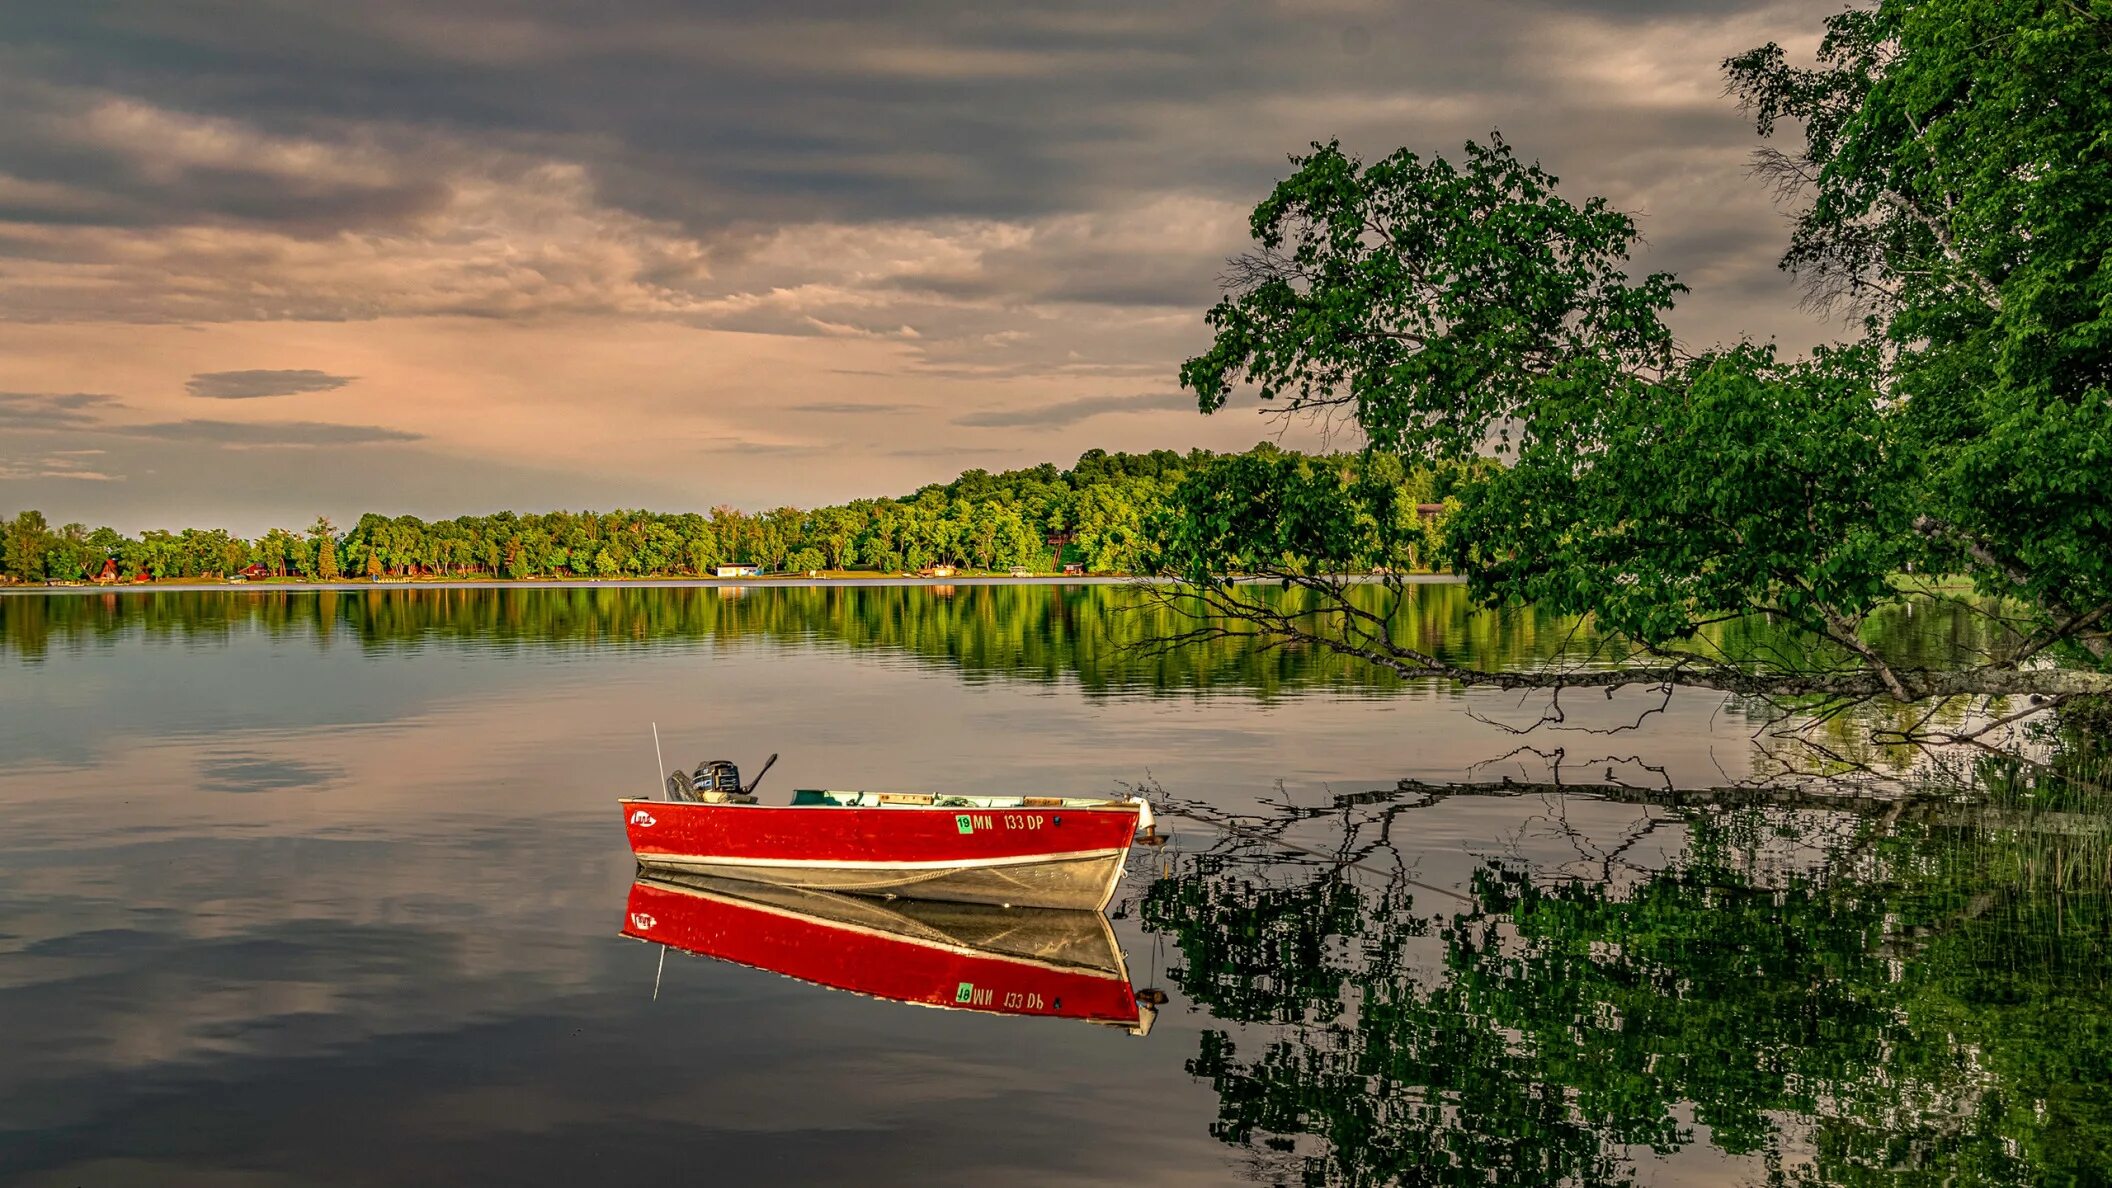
716, 781
716, 775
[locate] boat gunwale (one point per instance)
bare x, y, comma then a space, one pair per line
672, 858
976, 803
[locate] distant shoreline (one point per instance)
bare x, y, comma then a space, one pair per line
781, 583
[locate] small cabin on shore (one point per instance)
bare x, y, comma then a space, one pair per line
737, 571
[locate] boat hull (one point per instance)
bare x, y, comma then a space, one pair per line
955, 957
1068, 857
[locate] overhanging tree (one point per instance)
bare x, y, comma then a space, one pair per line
1954, 169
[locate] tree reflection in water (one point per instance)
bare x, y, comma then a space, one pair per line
1096, 635
1903, 993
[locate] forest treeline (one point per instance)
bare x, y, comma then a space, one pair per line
1104, 513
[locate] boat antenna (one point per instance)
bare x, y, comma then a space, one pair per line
659, 764
759, 775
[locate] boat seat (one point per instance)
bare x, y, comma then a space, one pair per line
820, 797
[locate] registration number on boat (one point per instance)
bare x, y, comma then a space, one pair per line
970, 994
970, 822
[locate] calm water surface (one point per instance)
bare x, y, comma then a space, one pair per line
303, 888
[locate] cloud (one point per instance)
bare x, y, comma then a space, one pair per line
516, 237
754, 446
250, 385
50, 411
846, 408
56, 464
73, 418
854, 170
952, 451
266, 434
987, 216
117, 160
1070, 412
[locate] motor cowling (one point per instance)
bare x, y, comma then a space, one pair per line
715, 781
716, 775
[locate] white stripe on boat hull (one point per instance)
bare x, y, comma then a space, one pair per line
1083, 880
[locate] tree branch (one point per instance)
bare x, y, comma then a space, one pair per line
1946, 243
2098, 643
1365, 639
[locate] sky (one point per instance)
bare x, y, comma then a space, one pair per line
262, 260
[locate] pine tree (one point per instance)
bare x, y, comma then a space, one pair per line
325, 549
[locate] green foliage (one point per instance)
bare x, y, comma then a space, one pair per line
26, 541
1746, 483
1270, 511
1434, 300
325, 537
1954, 176
1956, 166
1905, 1005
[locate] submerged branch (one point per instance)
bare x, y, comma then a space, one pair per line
1350, 631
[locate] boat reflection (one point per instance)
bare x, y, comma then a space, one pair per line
957, 956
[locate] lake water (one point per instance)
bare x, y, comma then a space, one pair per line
326, 888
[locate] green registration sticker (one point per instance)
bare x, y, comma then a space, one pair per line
967, 991
964, 822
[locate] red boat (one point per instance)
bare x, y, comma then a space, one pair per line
1012, 851
1058, 964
